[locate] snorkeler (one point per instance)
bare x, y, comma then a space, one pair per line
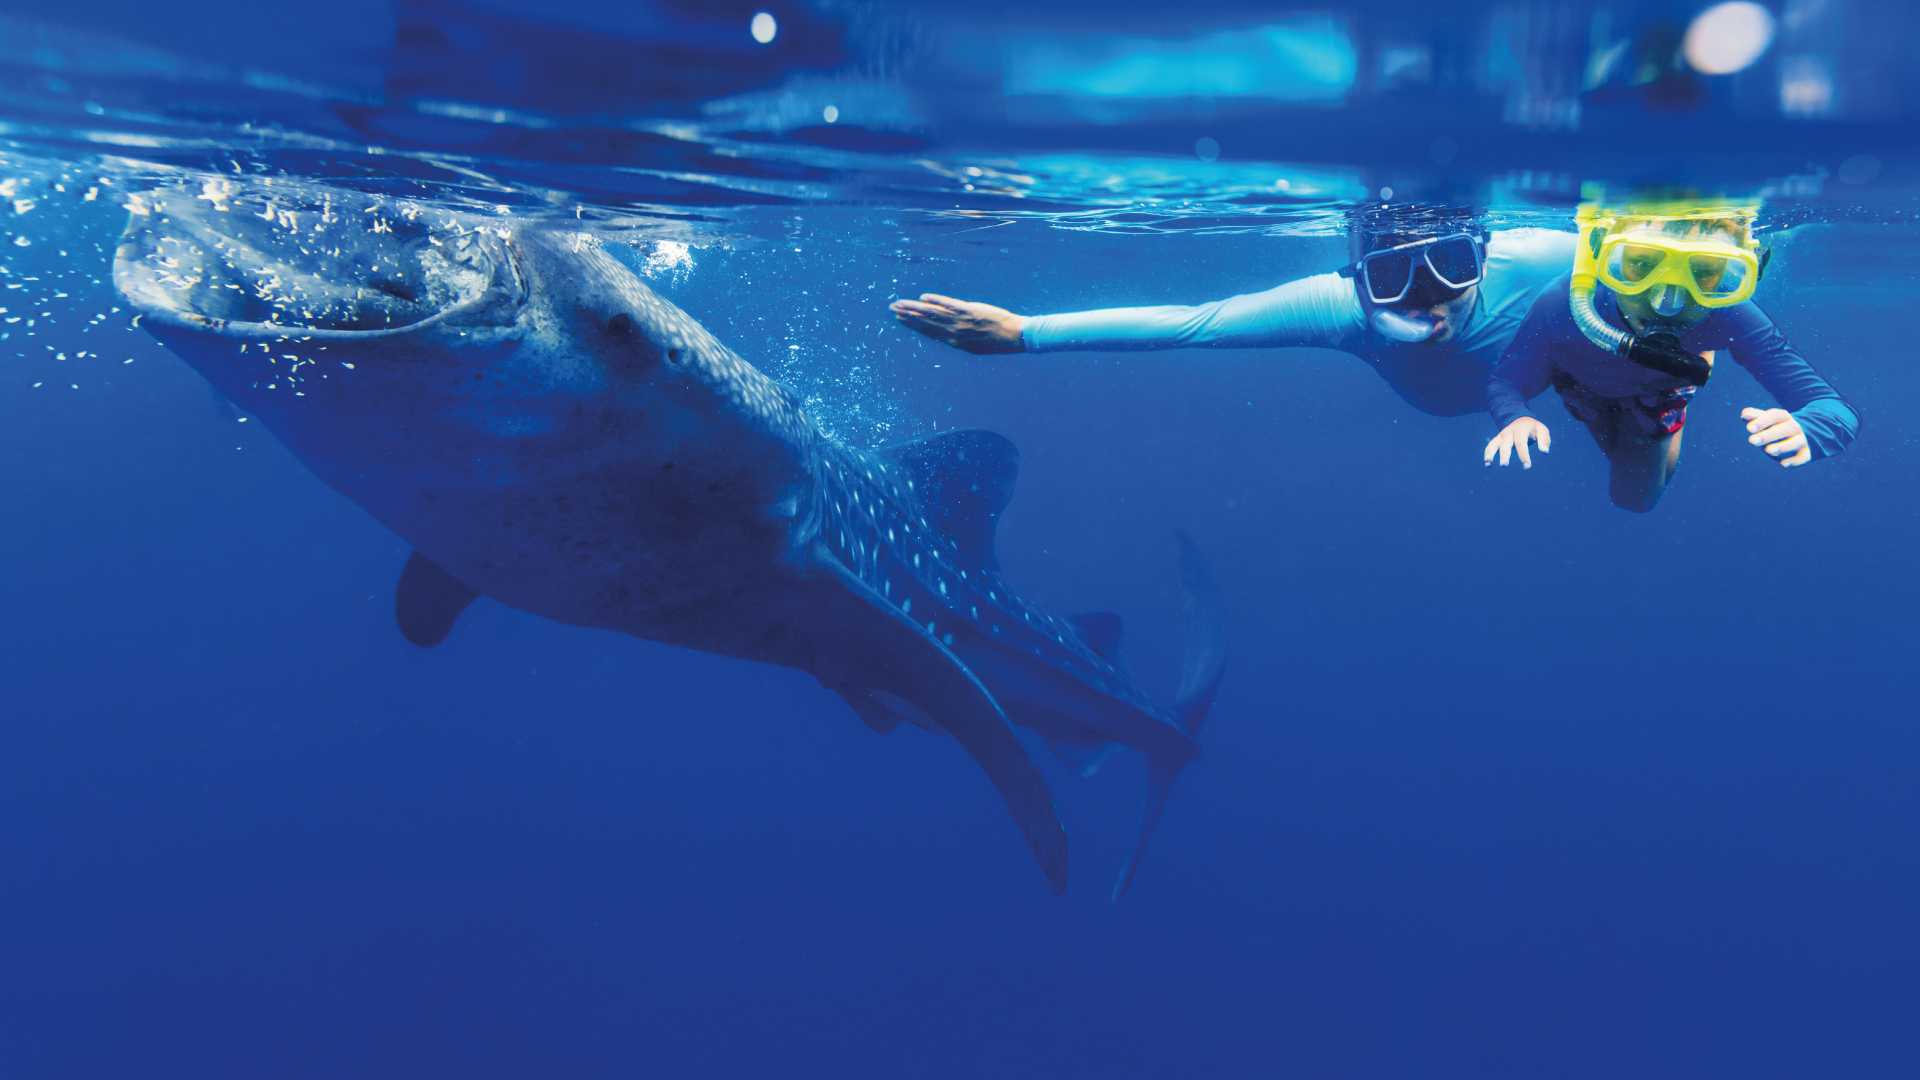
1657, 291
1430, 301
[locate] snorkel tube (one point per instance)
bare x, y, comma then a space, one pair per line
1660, 350
1403, 327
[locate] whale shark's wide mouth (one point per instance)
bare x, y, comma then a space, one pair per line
320, 271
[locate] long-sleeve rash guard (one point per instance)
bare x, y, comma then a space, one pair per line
1446, 378
1549, 342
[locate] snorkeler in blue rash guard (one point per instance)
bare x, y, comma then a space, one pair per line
1628, 357
1429, 301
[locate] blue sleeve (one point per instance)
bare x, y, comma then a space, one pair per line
1526, 368
1321, 310
1829, 422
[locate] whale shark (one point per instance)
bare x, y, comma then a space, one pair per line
546, 431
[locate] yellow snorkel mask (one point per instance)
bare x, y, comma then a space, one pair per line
1644, 246
1642, 251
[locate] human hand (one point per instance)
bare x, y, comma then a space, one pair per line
964, 324
1513, 440
1779, 434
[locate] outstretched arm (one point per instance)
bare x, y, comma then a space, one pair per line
1521, 374
1814, 421
1321, 310
964, 324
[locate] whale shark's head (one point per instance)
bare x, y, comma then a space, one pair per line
376, 278
422, 351
391, 288
268, 273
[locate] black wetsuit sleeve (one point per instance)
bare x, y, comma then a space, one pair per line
1759, 346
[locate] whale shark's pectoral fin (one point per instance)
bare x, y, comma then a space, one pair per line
1101, 630
877, 647
427, 601
1083, 756
881, 711
870, 708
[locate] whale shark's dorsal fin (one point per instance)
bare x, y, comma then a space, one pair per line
427, 601
964, 479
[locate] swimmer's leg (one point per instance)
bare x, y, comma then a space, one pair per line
1641, 467
1646, 450
1604, 426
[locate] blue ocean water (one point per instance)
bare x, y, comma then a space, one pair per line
1502, 781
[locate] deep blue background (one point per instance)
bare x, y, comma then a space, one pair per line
1502, 781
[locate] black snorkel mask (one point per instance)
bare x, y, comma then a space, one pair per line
1398, 284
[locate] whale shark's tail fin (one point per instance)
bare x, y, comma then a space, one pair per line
1203, 665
